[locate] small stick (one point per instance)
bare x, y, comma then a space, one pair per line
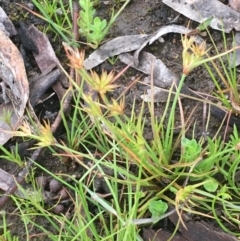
75, 19
204, 131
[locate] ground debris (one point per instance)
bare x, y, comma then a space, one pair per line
6, 24
225, 18
26, 38
114, 47
161, 235
196, 231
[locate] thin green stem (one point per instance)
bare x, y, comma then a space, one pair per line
170, 126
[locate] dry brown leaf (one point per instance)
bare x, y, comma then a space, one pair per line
224, 17
46, 58
114, 47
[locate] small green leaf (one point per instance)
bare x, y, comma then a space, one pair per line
211, 185
157, 208
99, 24
97, 30
191, 149
205, 24
223, 193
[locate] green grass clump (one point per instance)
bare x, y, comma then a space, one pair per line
224, 69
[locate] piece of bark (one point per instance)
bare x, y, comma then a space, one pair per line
26, 39
14, 85
200, 230
6, 24
46, 56
38, 88
5, 180
160, 235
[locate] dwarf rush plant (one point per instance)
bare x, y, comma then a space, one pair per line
224, 68
141, 177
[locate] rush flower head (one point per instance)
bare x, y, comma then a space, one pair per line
199, 50
24, 130
76, 58
192, 54
103, 83
45, 137
116, 108
92, 107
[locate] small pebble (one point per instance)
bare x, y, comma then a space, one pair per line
30, 6
42, 181
58, 209
55, 186
63, 194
